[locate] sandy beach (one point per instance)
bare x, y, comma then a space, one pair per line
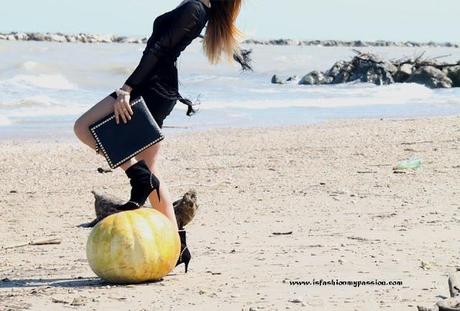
276, 205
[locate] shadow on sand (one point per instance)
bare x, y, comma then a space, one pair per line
77, 282
74, 283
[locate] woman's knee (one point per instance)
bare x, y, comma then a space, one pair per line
101, 109
80, 129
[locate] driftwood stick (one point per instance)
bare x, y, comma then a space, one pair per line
454, 284
422, 308
37, 242
449, 304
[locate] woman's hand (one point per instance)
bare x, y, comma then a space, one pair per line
122, 108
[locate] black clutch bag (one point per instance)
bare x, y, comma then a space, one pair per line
120, 142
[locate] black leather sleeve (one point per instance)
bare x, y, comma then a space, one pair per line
185, 19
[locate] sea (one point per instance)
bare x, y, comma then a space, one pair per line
46, 86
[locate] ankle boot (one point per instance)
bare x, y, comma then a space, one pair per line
143, 182
185, 255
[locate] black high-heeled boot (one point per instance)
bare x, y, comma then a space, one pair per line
143, 182
185, 255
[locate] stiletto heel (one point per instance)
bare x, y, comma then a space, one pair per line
154, 181
186, 261
185, 255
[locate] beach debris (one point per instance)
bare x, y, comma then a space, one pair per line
422, 308
282, 233
277, 80
454, 75
104, 170
430, 77
448, 304
56, 300
411, 163
105, 205
370, 68
213, 273
78, 301
52, 241
315, 78
426, 265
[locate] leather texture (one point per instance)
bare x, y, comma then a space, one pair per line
120, 142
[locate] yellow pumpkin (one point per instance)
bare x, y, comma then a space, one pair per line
133, 246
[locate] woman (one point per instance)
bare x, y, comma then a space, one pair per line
155, 79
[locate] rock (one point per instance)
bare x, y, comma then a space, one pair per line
21, 36
104, 38
276, 80
315, 78
365, 67
430, 77
134, 40
78, 301
120, 39
55, 38
292, 79
403, 73
70, 38
360, 43
454, 74
370, 68
36, 36
340, 72
279, 42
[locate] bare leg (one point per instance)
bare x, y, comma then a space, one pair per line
81, 126
150, 156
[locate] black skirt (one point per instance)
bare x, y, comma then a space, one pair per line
158, 106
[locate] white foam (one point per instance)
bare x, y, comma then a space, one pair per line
28, 65
39, 105
358, 94
28, 102
50, 81
4, 121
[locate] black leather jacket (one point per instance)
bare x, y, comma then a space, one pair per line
172, 33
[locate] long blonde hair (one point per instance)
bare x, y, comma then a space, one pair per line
221, 32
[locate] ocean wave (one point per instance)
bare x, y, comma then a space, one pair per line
335, 97
118, 69
32, 66
4, 121
39, 106
38, 101
49, 81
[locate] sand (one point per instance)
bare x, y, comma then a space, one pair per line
330, 184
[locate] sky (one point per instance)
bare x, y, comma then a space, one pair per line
400, 20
